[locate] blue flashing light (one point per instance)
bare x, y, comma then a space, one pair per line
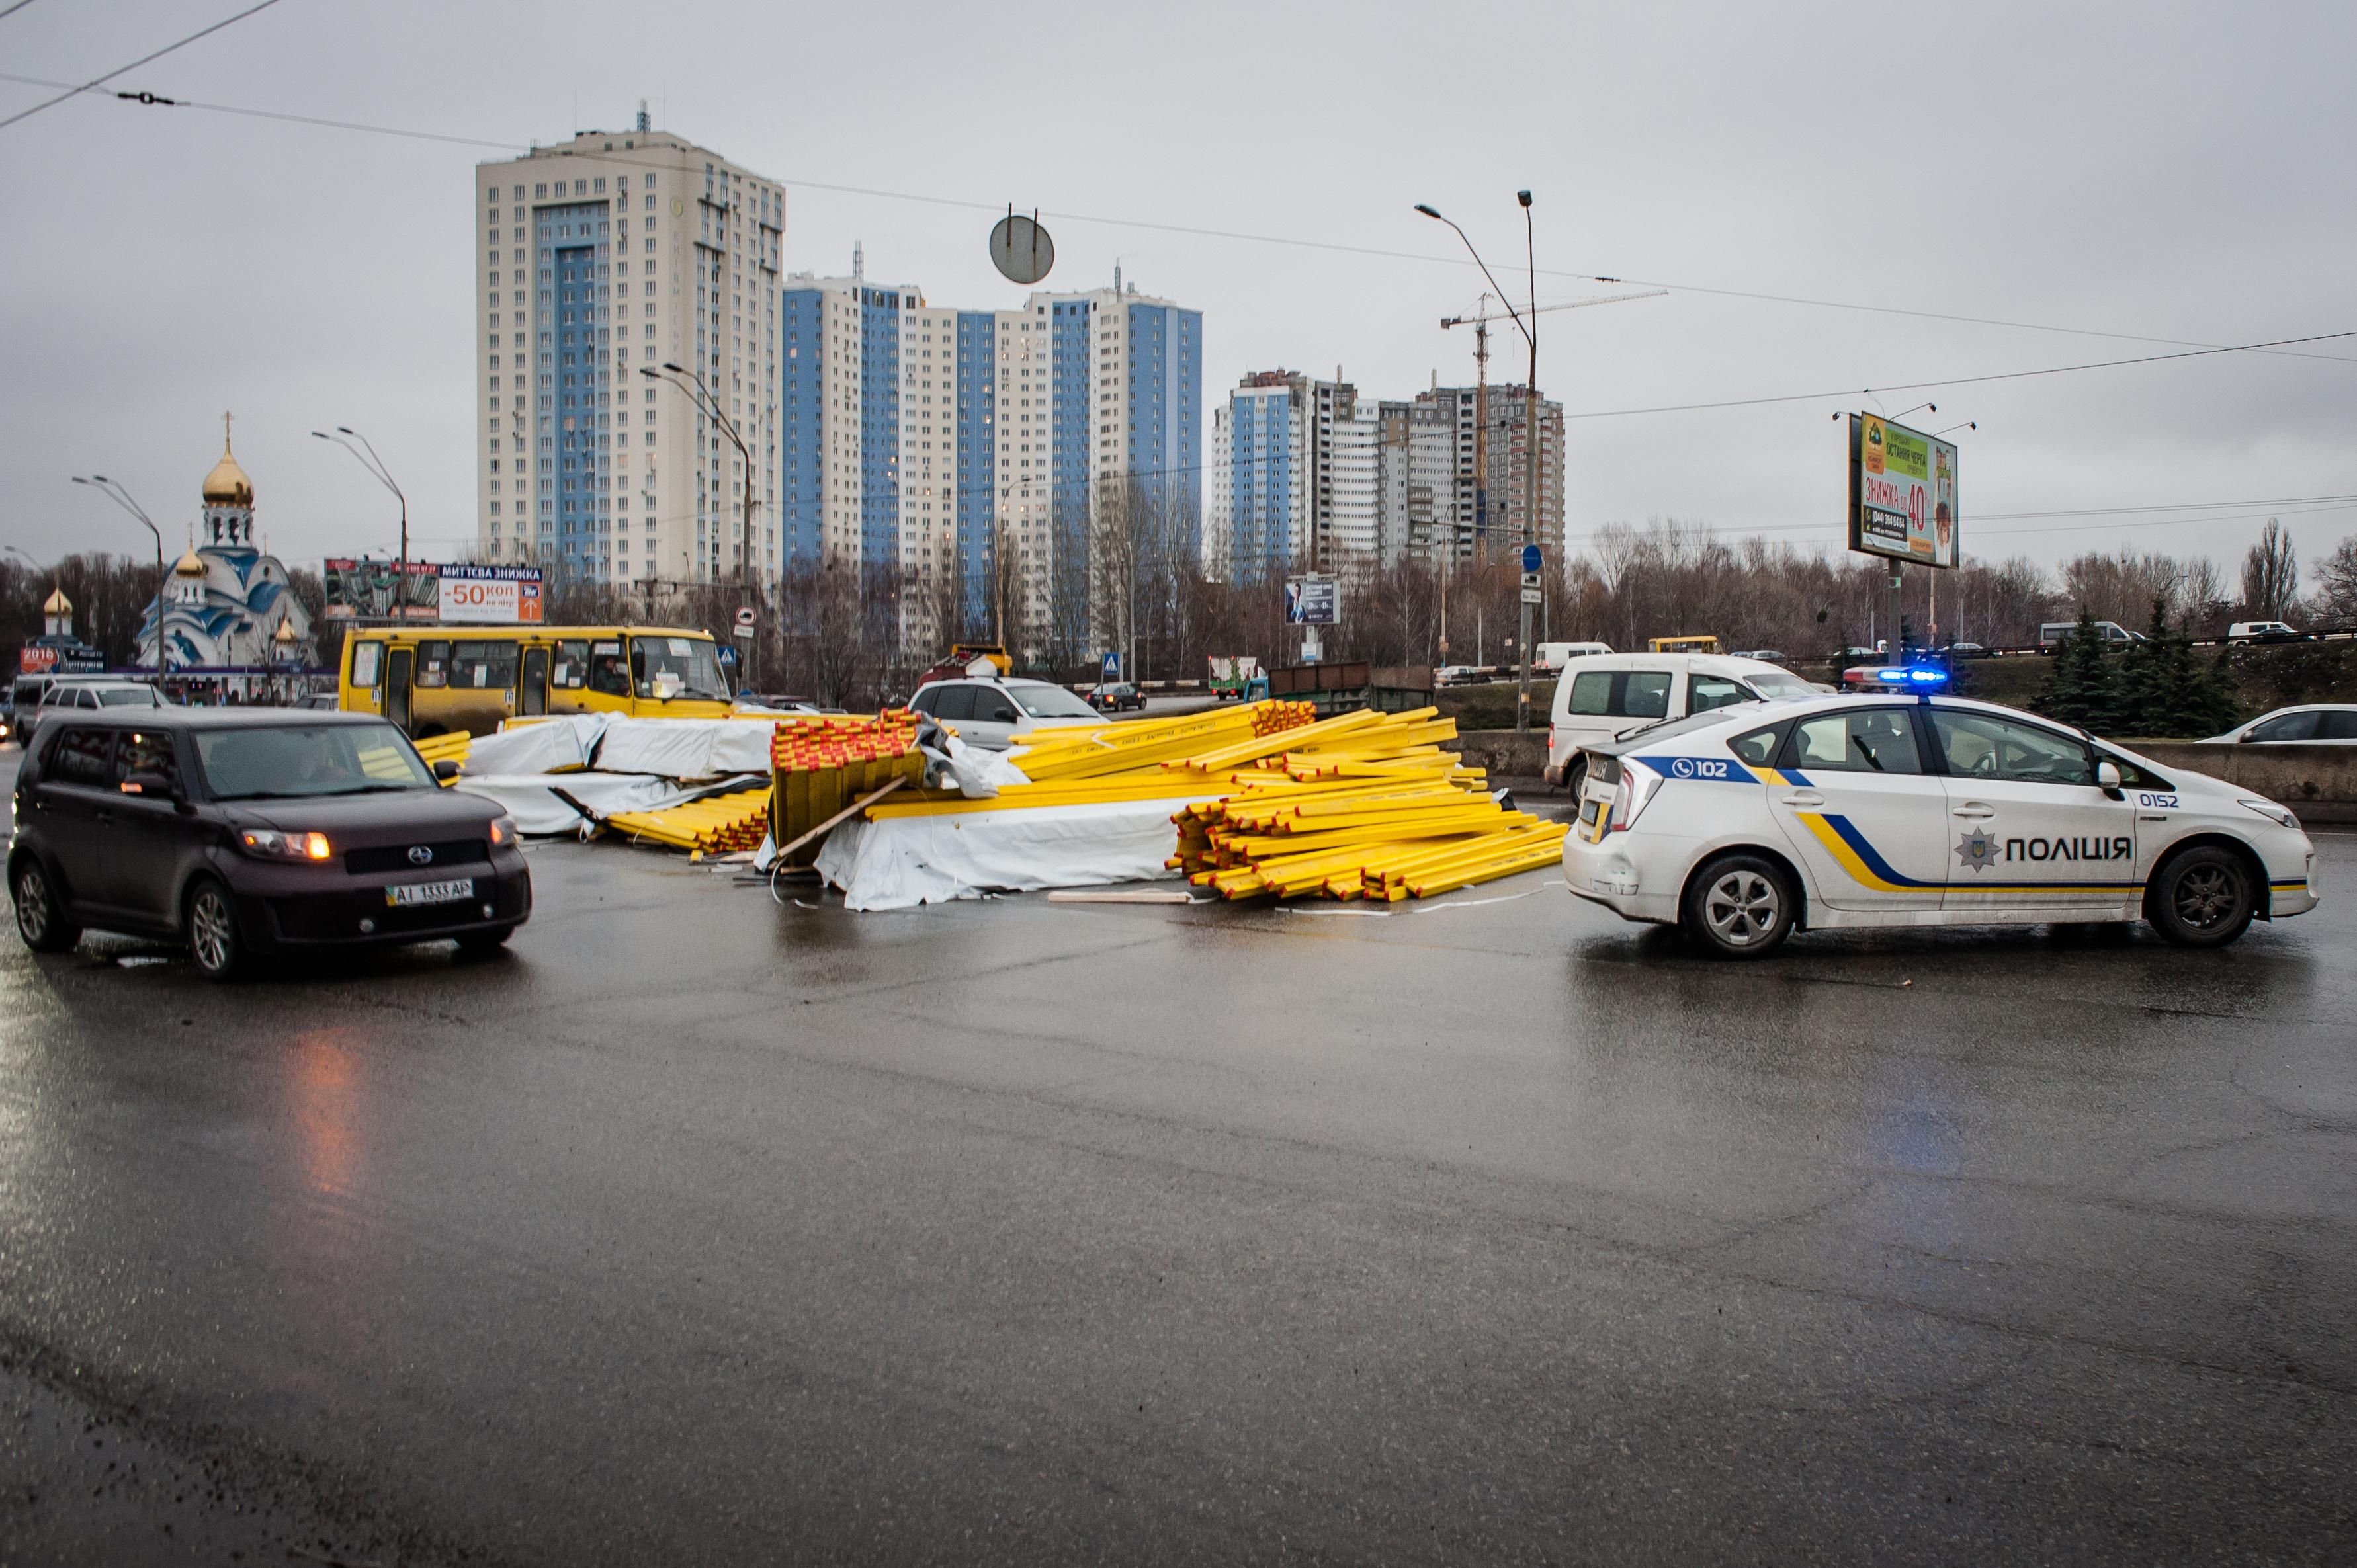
1911, 675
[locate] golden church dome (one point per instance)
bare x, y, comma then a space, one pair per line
191, 564
57, 604
227, 484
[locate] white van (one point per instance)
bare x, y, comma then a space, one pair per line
2263, 631
1549, 657
1618, 694
2051, 633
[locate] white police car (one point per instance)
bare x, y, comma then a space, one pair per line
1918, 810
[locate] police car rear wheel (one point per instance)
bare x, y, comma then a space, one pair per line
2204, 897
1739, 907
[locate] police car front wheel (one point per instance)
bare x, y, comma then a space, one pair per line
2201, 897
1739, 905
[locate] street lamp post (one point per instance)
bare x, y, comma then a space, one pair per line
708, 404
122, 497
1528, 325
375, 466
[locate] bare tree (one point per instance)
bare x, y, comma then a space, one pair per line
2270, 574
2336, 597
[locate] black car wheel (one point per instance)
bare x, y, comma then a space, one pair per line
215, 945
40, 918
483, 944
1739, 905
2201, 897
1575, 778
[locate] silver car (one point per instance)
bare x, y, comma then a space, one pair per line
2318, 723
1000, 713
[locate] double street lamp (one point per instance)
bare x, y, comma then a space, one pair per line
122, 497
1527, 322
707, 404
365, 454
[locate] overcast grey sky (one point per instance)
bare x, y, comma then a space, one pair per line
2163, 171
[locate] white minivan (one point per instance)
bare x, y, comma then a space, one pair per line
1612, 694
1549, 657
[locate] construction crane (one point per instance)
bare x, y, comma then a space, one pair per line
1480, 321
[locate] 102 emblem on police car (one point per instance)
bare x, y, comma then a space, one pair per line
1977, 850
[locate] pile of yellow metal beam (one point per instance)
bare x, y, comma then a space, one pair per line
1362, 805
715, 825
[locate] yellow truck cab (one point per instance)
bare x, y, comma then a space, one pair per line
439, 680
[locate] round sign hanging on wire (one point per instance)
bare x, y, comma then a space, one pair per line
1020, 248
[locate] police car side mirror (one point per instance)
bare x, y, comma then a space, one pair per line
2107, 778
445, 771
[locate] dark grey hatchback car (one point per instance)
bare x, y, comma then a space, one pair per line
249, 833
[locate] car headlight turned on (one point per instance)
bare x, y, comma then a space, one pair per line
1637, 787
2273, 812
268, 844
503, 830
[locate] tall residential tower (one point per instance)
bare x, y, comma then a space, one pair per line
597, 258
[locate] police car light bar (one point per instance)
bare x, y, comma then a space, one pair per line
1913, 675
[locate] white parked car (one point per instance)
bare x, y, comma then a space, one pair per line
998, 713
1611, 693
1744, 824
2320, 723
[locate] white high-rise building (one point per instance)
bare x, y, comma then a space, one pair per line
596, 259
1219, 498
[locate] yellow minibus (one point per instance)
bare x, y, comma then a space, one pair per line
437, 679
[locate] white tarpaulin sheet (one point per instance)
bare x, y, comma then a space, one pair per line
540, 746
686, 749
902, 862
543, 803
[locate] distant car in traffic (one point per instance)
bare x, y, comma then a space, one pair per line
2324, 724
1115, 697
245, 833
1859, 655
998, 712
85, 694
2051, 633
1765, 655
2263, 631
1967, 650
316, 701
1551, 656
1744, 824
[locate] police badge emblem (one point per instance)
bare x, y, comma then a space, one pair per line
1977, 850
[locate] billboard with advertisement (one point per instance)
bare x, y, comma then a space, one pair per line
1311, 601
491, 596
1902, 493
365, 589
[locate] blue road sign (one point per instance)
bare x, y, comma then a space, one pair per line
1529, 557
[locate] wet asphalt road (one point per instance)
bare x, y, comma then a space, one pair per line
701, 1230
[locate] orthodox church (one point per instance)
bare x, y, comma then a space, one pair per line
227, 606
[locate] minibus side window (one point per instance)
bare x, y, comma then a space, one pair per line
570, 672
433, 664
367, 662
483, 666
